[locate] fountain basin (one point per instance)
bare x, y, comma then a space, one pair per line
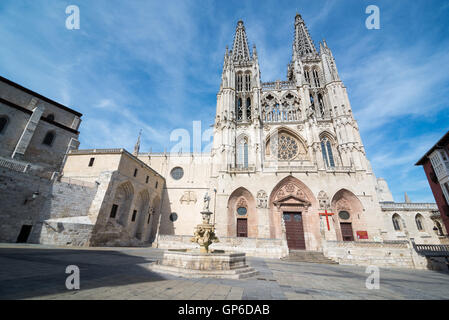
195, 264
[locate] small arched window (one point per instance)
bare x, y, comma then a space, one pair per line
438, 229
49, 138
248, 109
3, 123
419, 222
328, 156
397, 222
51, 117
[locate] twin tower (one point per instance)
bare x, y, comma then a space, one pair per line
305, 120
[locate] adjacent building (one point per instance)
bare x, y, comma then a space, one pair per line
436, 166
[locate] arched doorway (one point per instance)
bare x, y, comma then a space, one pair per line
349, 215
242, 217
293, 215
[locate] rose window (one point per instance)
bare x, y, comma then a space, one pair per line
287, 147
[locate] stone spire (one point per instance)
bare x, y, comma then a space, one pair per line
137, 146
406, 198
240, 49
303, 44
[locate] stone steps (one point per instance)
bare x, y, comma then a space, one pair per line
308, 256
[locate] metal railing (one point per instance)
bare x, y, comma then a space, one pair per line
408, 206
432, 250
15, 166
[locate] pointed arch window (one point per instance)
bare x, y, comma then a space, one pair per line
419, 222
242, 153
49, 138
239, 110
239, 82
307, 76
248, 109
312, 102
326, 149
321, 104
397, 222
316, 78
248, 82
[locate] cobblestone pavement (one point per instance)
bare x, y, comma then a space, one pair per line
38, 272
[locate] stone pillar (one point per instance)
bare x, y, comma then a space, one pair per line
28, 132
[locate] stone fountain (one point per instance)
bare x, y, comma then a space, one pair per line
202, 263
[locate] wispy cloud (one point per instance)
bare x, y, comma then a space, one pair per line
156, 66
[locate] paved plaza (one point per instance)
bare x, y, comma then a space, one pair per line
38, 272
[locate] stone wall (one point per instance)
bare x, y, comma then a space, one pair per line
266, 248
381, 254
66, 232
52, 200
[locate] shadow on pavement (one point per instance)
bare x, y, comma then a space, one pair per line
34, 272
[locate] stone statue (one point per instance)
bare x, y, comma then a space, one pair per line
206, 202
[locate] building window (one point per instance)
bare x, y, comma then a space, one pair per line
326, 149
91, 162
344, 215
176, 173
149, 218
134, 216
3, 123
242, 153
135, 172
49, 138
157, 182
316, 78
397, 222
248, 109
114, 210
419, 222
173, 217
321, 104
438, 229
148, 179
239, 109
51, 117
307, 76
239, 82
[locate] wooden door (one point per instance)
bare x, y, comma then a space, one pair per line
346, 231
242, 228
295, 230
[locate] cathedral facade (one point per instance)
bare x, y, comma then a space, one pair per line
287, 164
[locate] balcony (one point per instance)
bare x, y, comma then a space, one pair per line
240, 168
394, 206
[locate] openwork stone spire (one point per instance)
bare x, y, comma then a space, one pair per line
240, 50
303, 42
137, 146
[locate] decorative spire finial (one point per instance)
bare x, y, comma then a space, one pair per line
137, 146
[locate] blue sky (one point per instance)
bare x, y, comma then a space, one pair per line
156, 66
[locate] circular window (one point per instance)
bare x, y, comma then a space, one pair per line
173, 217
242, 211
344, 215
177, 173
